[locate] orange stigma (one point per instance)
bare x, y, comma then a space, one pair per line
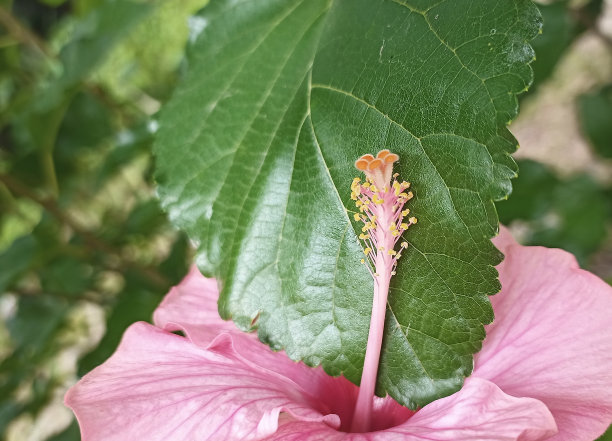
378, 169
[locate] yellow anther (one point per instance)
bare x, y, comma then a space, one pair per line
410, 195
392, 227
404, 226
366, 184
362, 260
391, 252
393, 273
405, 184
413, 220
404, 245
398, 256
354, 196
373, 188
403, 195
367, 226
377, 199
357, 216
394, 233
367, 251
405, 212
364, 236
395, 175
358, 203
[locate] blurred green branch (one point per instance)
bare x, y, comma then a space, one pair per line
89, 297
91, 240
21, 33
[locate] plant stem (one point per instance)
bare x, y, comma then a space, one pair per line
20, 32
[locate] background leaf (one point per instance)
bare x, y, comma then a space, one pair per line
595, 110
563, 22
255, 159
571, 213
81, 233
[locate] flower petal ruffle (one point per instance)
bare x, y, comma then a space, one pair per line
550, 342
552, 339
480, 411
191, 307
160, 386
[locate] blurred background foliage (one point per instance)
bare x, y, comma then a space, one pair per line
84, 247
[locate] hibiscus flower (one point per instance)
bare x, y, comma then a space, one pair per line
544, 372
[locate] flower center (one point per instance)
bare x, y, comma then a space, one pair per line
337, 395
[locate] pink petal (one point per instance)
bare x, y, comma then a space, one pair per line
480, 411
552, 338
191, 307
160, 386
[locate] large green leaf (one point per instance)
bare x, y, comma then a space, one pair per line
255, 159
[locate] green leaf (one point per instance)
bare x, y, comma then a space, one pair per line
606, 436
34, 329
67, 276
36, 122
9, 409
96, 35
47, 312
572, 213
88, 122
531, 193
595, 110
148, 58
129, 145
15, 260
255, 160
563, 22
558, 32
176, 265
71, 433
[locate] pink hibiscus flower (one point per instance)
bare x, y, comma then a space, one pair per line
545, 372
